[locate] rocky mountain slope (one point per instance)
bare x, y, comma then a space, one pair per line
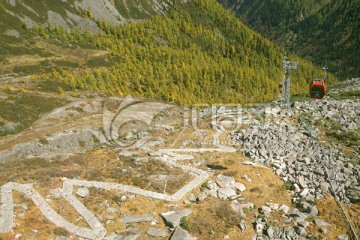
193, 52
75, 13
82, 159
102, 167
22, 52
324, 31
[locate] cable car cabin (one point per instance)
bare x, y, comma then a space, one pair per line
317, 89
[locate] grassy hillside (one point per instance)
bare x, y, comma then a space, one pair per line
326, 32
337, 38
20, 52
198, 52
272, 17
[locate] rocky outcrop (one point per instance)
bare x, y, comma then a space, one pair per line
313, 167
71, 15
60, 143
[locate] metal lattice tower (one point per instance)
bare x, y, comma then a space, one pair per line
285, 91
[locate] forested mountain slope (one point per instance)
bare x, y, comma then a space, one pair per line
188, 52
326, 32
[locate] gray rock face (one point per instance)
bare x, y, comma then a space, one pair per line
308, 208
300, 230
82, 192
225, 181
242, 225
156, 232
11, 2
259, 227
112, 210
324, 187
323, 230
113, 236
307, 163
239, 187
284, 208
280, 233
129, 136
353, 195
27, 21
321, 223
303, 224
270, 232
226, 193
101, 10
298, 214
137, 218
128, 234
239, 208
343, 237
181, 234
58, 144
62, 238
273, 206
172, 218
192, 197
201, 197
313, 168
265, 210
142, 135
12, 33
211, 185
83, 23
56, 19
8, 127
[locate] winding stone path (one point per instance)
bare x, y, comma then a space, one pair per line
96, 230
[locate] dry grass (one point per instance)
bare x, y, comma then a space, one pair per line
56, 53
210, 219
331, 213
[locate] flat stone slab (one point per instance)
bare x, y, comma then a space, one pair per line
172, 218
82, 192
308, 208
113, 236
128, 234
181, 234
321, 223
157, 232
225, 181
300, 230
343, 237
265, 210
62, 238
137, 218
226, 193
303, 224
273, 206
284, 208
242, 225
112, 210
238, 186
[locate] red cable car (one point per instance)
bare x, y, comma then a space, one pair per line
317, 88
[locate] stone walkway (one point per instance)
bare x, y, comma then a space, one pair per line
97, 230
7, 212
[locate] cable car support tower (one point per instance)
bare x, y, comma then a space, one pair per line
285, 89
